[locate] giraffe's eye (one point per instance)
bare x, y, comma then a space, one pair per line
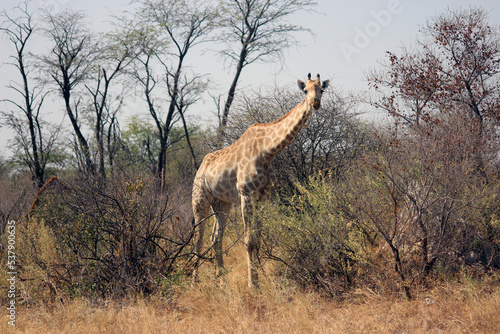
321, 91
305, 91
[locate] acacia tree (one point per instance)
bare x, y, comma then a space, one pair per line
456, 62
142, 71
71, 58
456, 66
35, 148
444, 97
255, 30
178, 26
417, 191
113, 61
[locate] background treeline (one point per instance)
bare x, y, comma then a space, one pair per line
389, 205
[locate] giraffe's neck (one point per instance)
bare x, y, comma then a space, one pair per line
287, 128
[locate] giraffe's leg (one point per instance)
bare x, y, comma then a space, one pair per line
252, 239
201, 210
221, 210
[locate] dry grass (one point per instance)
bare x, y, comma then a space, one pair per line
276, 308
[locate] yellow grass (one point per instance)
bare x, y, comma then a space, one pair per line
231, 308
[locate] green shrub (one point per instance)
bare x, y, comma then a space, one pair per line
314, 244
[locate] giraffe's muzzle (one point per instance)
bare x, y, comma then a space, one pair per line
316, 104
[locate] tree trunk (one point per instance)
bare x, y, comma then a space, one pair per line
188, 141
230, 97
174, 92
37, 169
100, 155
84, 146
398, 267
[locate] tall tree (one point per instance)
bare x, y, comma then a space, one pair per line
114, 59
183, 24
455, 66
35, 148
70, 60
255, 30
142, 71
456, 61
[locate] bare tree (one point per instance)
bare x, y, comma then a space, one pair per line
35, 149
70, 60
255, 30
183, 24
114, 59
142, 72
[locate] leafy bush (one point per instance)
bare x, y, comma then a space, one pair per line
390, 224
314, 244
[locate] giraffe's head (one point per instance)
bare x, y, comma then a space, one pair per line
313, 89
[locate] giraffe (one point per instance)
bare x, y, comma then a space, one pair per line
241, 173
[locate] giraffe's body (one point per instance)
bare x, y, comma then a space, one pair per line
241, 173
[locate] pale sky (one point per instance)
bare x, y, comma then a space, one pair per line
350, 37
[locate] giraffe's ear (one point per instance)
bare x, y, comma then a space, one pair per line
325, 84
301, 84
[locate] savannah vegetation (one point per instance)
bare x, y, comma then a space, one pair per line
388, 226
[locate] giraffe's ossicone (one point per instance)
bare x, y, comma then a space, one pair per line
241, 173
